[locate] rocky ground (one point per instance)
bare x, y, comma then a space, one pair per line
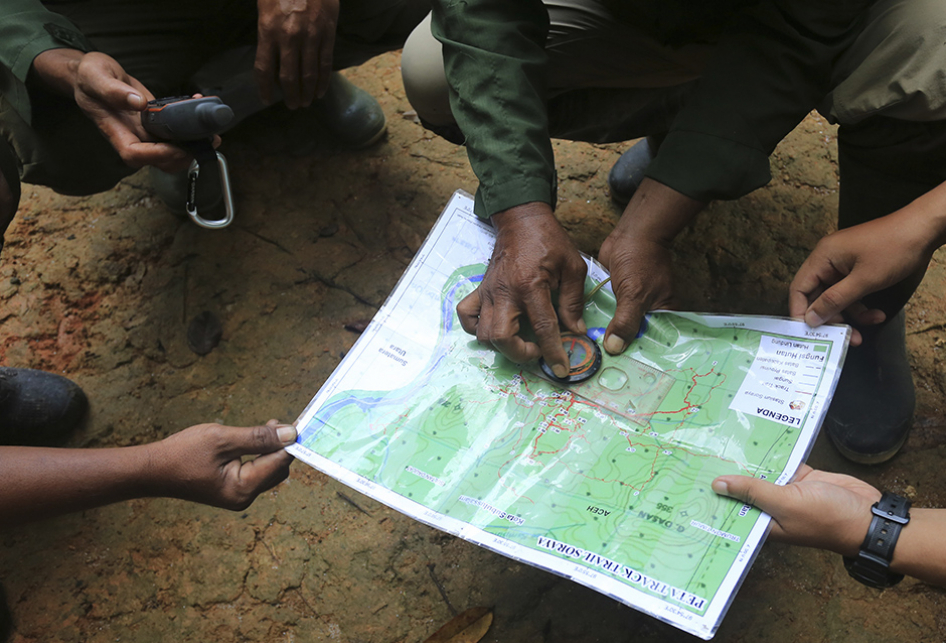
102, 289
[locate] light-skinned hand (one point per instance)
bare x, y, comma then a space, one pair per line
818, 509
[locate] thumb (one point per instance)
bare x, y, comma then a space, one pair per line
835, 300
256, 440
758, 493
116, 93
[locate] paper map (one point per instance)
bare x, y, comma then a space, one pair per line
606, 482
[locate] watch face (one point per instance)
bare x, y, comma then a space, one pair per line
871, 570
584, 359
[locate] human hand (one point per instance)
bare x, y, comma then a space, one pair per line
641, 278
204, 463
637, 254
850, 264
819, 509
295, 48
533, 256
112, 100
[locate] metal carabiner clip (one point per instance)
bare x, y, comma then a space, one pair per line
191, 205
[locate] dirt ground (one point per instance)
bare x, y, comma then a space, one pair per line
102, 288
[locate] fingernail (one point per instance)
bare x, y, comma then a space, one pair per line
614, 344
560, 371
286, 434
134, 100
582, 327
812, 319
721, 487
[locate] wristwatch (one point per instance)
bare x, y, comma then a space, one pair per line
871, 566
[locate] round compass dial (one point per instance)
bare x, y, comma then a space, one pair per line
584, 359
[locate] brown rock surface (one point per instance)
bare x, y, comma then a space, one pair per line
102, 290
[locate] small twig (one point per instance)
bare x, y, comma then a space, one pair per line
443, 592
594, 291
305, 602
352, 503
926, 329
271, 550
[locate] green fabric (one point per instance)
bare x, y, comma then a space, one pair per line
27, 29
494, 59
771, 68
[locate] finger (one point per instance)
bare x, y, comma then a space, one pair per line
836, 299
803, 472
326, 60
861, 315
499, 326
136, 153
468, 310
310, 70
545, 325
116, 94
289, 64
264, 472
258, 439
625, 324
758, 493
571, 298
264, 68
805, 288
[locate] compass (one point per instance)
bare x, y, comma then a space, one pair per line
584, 359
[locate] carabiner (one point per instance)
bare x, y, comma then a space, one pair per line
191, 205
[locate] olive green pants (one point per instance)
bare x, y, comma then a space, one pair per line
610, 82
162, 44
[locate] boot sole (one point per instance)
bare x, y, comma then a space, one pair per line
870, 458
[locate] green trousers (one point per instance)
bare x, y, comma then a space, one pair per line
162, 44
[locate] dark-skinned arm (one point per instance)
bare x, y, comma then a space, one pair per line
201, 464
495, 63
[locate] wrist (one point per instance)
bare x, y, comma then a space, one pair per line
657, 213
532, 212
153, 475
57, 70
871, 566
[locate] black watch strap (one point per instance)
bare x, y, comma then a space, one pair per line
871, 566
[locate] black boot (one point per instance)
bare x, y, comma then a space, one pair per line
872, 410
626, 175
38, 407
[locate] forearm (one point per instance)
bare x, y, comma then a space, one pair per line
929, 211
38, 483
919, 552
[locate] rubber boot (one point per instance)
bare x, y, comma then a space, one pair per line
38, 407
871, 413
350, 114
626, 175
172, 190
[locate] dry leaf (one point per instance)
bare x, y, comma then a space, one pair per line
204, 332
469, 627
358, 326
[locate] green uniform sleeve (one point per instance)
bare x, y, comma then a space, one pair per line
494, 59
769, 72
27, 29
